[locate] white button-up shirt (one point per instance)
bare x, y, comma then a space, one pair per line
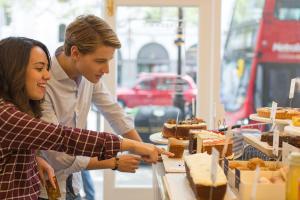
68, 103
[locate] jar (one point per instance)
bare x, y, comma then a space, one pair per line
293, 178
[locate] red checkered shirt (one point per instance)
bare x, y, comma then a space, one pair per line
21, 135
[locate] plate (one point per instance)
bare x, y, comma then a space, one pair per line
159, 139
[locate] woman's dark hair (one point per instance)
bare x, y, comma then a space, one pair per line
14, 58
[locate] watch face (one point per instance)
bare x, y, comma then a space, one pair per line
53, 193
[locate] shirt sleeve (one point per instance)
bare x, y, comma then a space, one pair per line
21, 131
111, 110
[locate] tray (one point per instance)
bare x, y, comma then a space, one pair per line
262, 146
292, 130
174, 165
159, 139
255, 117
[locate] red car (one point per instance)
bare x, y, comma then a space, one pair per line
156, 89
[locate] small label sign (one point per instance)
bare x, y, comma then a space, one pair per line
273, 111
275, 148
237, 179
255, 182
214, 165
292, 88
226, 164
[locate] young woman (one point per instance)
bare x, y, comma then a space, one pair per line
24, 65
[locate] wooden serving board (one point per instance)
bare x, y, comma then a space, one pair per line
262, 146
174, 165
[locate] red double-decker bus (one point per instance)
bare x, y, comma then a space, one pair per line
261, 56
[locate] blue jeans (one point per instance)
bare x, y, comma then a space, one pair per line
88, 185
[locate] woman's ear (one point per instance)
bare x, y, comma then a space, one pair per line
75, 52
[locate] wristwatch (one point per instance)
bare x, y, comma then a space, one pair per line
116, 163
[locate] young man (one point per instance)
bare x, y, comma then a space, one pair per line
76, 83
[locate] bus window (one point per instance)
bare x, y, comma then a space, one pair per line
287, 10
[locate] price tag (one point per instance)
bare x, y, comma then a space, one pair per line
273, 111
237, 179
275, 142
292, 88
177, 117
255, 182
214, 165
193, 107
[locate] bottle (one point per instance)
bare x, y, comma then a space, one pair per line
293, 178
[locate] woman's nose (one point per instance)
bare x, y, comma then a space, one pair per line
46, 75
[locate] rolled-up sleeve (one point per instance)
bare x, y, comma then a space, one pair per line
111, 110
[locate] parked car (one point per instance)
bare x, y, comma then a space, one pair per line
156, 89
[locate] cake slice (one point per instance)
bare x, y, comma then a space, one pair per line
175, 146
182, 129
204, 141
198, 171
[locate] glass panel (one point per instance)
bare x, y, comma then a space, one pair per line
42, 20
147, 75
288, 10
260, 56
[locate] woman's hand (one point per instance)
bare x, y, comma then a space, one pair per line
149, 152
128, 163
45, 168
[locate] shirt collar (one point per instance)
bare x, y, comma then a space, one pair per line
57, 70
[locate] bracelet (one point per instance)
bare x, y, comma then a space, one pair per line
116, 163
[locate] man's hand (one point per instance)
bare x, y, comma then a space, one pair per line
129, 163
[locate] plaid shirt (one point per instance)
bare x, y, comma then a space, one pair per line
21, 135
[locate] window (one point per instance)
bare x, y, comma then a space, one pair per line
288, 10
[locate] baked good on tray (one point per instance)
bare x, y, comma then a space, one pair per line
281, 112
198, 168
268, 137
296, 120
182, 129
266, 112
206, 140
175, 146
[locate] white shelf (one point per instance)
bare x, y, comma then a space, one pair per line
178, 188
292, 130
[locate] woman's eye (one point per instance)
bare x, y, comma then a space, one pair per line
39, 69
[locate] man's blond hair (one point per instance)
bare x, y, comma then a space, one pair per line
87, 32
